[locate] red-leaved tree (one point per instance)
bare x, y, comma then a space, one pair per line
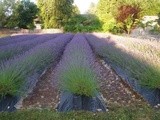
127, 17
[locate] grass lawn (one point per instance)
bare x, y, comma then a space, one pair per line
115, 113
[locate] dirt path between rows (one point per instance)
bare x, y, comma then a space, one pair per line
114, 89
46, 93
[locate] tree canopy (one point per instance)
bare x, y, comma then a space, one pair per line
17, 14
6, 8
109, 10
54, 13
92, 8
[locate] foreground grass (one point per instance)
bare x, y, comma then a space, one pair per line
115, 113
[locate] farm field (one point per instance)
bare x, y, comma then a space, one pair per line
140, 58
79, 60
37, 69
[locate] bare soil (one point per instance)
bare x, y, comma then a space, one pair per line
113, 89
45, 94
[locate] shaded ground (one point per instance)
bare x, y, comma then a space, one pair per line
114, 89
45, 94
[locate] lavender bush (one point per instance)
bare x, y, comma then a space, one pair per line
131, 57
8, 38
75, 71
11, 50
16, 39
14, 72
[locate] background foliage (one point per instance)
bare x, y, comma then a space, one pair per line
109, 10
17, 14
104, 16
55, 13
83, 23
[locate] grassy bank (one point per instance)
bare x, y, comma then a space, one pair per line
115, 113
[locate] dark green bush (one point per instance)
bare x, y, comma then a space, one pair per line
116, 30
83, 23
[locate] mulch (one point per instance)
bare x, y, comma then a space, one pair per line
114, 91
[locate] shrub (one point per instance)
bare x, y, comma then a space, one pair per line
8, 51
14, 73
82, 23
137, 59
15, 39
107, 26
127, 17
76, 71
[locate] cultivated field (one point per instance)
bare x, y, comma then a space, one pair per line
38, 68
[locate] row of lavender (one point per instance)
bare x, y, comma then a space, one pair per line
15, 39
76, 71
15, 72
77, 76
134, 60
10, 50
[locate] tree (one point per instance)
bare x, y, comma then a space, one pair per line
83, 23
76, 10
92, 8
149, 7
6, 8
2, 14
17, 14
25, 13
107, 11
127, 17
55, 13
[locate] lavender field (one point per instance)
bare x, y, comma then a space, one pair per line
75, 63
138, 58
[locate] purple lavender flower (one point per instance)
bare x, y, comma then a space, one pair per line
11, 50
134, 58
14, 72
16, 39
75, 71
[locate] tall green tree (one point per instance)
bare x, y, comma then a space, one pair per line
2, 14
105, 10
76, 10
6, 9
55, 13
17, 13
92, 8
26, 12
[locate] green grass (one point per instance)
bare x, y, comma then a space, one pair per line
115, 113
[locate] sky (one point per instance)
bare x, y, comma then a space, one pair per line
83, 5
